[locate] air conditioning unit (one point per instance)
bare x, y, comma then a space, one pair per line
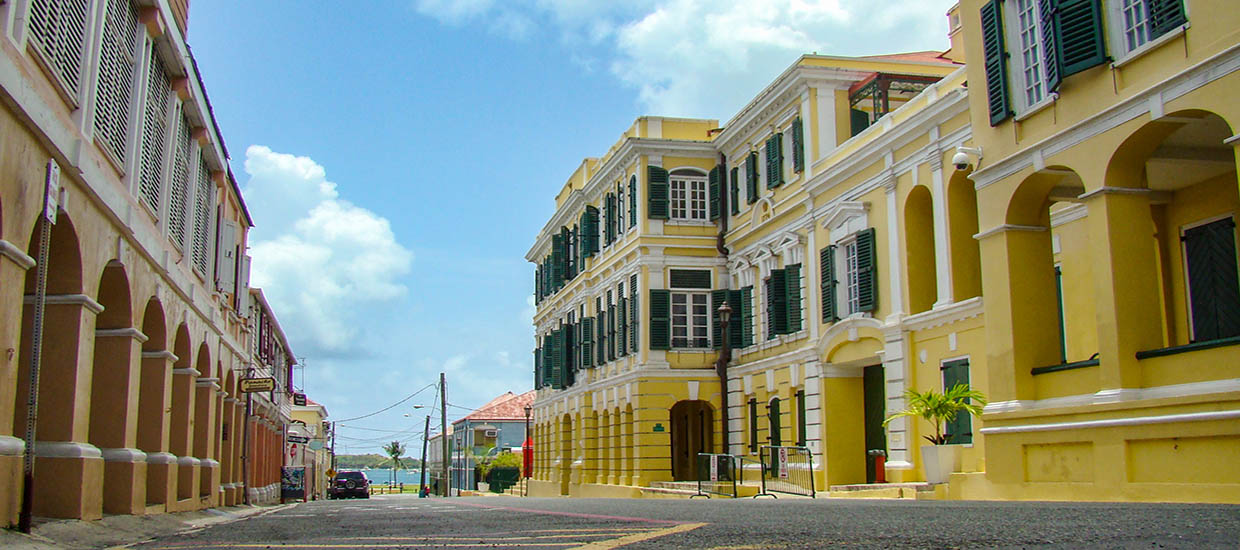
490, 433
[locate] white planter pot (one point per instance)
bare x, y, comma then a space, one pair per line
939, 461
482, 485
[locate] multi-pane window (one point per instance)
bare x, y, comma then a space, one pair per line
690, 320
688, 198
58, 33
852, 279
116, 75
1135, 21
1029, 41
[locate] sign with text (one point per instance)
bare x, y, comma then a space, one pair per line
299, 399
298, 439
249, 385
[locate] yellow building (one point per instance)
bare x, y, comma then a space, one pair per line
146, 326
309, 421
854, 214
1108, 193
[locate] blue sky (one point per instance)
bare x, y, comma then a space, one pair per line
399, 158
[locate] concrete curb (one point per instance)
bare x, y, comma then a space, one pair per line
126, 531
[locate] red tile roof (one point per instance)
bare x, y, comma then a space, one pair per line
509, 406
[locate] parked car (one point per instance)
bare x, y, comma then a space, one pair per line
349, 484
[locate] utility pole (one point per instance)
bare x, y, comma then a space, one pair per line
422, 465
333, 445
443, 432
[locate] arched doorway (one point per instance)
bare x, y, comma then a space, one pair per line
114, 395
692, 432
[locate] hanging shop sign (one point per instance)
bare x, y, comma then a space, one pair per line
249, 385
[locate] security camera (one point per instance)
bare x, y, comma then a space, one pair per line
962, 159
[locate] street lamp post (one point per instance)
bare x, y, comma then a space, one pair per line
527, 454
721, 367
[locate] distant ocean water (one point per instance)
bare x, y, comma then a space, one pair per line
382, 475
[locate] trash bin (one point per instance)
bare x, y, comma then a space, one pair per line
880, 464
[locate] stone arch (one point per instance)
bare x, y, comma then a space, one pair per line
182, 409
919, 249
204, 417
154, 394
64, 266
962, 225
115, 387
1188, 178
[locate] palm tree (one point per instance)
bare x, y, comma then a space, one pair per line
938, 408
394, 450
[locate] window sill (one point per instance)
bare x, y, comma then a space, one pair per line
1037, 107
703, 223
1149, 46
1195, 346
1066, 366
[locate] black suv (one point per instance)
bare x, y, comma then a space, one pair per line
349, 484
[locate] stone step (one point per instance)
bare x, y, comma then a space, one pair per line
884, 490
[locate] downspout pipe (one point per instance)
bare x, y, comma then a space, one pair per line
725, 352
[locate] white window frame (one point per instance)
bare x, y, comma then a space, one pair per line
691, 190
1024, 105
689, 297
1117, 30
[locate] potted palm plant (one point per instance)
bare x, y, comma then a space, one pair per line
939, 459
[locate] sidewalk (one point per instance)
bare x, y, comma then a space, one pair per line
121, 531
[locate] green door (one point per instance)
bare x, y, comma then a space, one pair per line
875, 411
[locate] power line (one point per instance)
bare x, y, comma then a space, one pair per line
390, 407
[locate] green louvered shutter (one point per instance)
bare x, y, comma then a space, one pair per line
557, 259
633, 312
566, 261
1079, 39
751, 177
826, 262
753, 426
632, 201
657, 191
570, 348
736, 326
792, 282
776, 304
798, 145
1164, 16
538, 371
614, 223
611, 332
537, 284
660, 319
609, 219
713, 190
802, 425
557, 366
1052, 57
774, 161
717, 298
995, 61
735, 183
601, 342
590, 227
867, 271
1213, 286
747, 316
587, 343
622, 328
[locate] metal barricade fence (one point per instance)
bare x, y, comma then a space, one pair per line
716, 475
788, 470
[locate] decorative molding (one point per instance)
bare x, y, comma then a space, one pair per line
161, 458
1113, 191
842, 211
209, 463
131, 456
66, 449
121, 333
11, 446
1115, 422
1070, 214
161, 354
959, 311
16, 255
187, 370
187, 461
69, 300
1009, 227
1191, 389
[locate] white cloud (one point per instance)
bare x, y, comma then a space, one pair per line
707, 57
320, 260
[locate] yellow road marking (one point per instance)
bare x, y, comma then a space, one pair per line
367, 545
638, 537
